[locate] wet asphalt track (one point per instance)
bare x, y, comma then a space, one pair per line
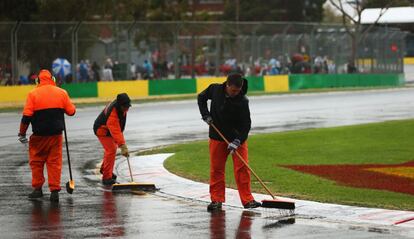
93, 212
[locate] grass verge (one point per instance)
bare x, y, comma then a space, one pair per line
378, 143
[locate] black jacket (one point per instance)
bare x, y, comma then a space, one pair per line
230, 115
104, 115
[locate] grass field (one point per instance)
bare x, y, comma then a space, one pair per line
378, 143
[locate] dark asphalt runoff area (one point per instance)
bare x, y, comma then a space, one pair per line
93, 212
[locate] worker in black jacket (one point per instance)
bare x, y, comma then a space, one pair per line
229, 111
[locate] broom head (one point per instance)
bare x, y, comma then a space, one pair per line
146, 187
70, 186
278, 204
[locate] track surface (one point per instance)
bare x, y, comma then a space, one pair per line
93, 212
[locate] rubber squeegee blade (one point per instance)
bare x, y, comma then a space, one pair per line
147, 187
279, 204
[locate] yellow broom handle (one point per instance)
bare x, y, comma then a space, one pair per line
244, 162
130, 171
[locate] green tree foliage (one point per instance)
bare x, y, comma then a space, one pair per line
17, 10
40, 44
275, 10
90, 10
57, 38
330, 15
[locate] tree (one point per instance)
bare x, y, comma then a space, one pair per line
19, 10
275, 10
41, 43
314, 10
330, 15
352, 23
47, 36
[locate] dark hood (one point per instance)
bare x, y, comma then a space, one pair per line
245, 86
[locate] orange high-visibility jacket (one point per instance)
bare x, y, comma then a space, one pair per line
111, 122
45, 107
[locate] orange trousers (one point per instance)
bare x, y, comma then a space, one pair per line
218, 157
46, 150
108, 162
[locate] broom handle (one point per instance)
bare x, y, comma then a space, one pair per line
67, 149
130, 171
244, 162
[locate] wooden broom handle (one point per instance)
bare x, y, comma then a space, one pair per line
244, 162
130, 171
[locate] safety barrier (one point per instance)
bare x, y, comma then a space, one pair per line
297, 82
144, 88
168, 87
408, 60
82, 90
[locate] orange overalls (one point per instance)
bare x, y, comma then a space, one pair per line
110, 135
218, 158
44, 109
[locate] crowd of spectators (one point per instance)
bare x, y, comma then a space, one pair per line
154, 68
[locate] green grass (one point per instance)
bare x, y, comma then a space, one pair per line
379, 143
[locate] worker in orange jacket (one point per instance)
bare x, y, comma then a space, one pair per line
44, 109
109, 127
230, 113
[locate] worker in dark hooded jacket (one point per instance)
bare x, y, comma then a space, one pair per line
44, 109
230, 113
109, 127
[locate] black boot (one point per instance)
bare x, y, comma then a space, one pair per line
214, 206
54, 196
108, 182
252, 204
37, 193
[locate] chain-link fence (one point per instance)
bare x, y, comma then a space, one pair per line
162, 50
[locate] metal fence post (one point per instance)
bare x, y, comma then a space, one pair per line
217, 60
312, 51
402, 49
390, 41
176, 66
259, 49
117, 42
283, 38
193, 52
128, 42
244, 50
14, 67
75, 51
253, 43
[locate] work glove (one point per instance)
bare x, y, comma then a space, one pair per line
22, 138
207, 119
232, 147
124, 150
